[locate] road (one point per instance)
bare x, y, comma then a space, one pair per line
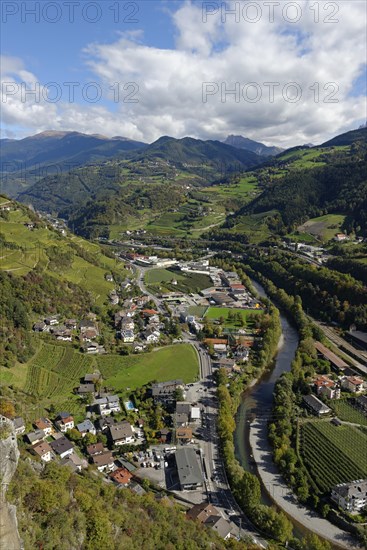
283, 496
140, 274
217, 486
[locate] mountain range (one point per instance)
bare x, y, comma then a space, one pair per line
250, 145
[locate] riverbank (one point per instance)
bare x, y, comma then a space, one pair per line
280, 493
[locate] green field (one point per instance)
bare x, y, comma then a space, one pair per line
323, 227
215, 313
198, 311
169, 363
160, 280
348, 413
333, 454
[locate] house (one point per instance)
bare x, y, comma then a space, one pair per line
71, 324
40, 327
43, 450
340, 237
202, 512
183, 411
181, 419
315, 405
95, 449
104, 423
62, 447
86, 427
74, 462
188, 467
325, 386
221, 526
87, 324
165, 391
64, 421
109, 278
44, 424
121, 433
19, 426
63, 334
127, 336
104, 461
121, 477
35, 437
86, 388
52, 320
88, 335
114, 299
107, 405
93, 348
225, 363
336, 362
351, 497
183, 435
94, 377
151, 336
353, 384
127, 323
138, 347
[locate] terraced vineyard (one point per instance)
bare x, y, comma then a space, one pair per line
55, 370
333, 454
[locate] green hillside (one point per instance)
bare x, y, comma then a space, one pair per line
314, 183
43, 272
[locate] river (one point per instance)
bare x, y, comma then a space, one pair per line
258, 400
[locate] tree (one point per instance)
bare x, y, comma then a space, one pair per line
7, 408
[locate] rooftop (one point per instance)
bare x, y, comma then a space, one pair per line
188, 467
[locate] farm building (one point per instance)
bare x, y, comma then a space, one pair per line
316, 406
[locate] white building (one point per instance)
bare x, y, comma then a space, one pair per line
351, 497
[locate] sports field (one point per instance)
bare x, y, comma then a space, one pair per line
215, 313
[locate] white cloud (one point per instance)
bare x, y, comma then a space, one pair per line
170, 81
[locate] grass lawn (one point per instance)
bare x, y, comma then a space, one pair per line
217, 312
198, 311
347, 412
133, 371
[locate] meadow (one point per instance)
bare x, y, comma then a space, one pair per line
133, 371
323, 227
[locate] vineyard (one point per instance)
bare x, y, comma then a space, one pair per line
55, 370
347, 412
333, 454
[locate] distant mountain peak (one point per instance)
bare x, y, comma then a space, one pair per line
248, 144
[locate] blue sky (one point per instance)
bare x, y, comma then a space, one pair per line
183, 58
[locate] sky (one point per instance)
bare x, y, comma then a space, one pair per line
281, 72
